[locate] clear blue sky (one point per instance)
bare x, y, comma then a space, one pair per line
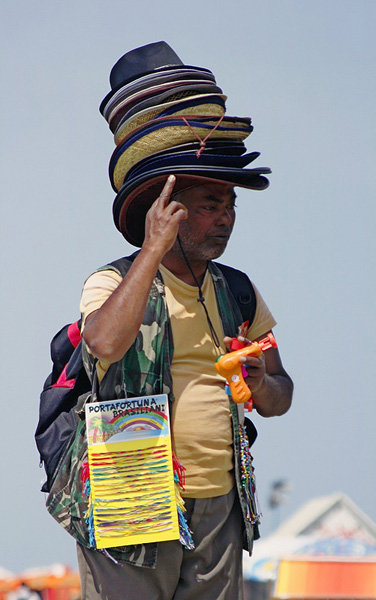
305, 73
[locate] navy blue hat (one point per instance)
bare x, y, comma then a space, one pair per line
154, 141
161, 134
145, 181
143, 61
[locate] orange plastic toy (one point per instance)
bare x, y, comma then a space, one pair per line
228, 366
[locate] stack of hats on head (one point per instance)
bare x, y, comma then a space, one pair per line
169, 118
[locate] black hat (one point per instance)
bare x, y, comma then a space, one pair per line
142, 61
145, 182
169, 118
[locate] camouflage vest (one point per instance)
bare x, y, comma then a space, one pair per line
145, 370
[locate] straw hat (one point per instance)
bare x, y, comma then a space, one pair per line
157, 95
161, 134
198, 105
169, 118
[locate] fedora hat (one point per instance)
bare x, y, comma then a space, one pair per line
140, 62
170, 118
145, 182
147, 84
159, 94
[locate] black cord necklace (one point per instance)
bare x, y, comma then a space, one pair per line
201, 299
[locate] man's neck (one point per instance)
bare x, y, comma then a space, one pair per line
178, 266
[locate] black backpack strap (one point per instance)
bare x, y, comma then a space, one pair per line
242, 290
122, 265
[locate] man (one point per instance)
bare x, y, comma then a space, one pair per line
180, 232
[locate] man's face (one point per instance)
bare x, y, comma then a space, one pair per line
211, 216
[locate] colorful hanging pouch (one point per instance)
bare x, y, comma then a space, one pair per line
129, 481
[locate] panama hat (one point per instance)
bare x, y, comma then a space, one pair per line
161, 134
142, 61
170, 118
199, 105
168, 99
223, 147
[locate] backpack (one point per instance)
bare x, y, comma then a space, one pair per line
68, 380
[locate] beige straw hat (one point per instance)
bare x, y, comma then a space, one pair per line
126, 126
167, 133
169, 118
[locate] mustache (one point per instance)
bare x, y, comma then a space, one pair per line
226, 231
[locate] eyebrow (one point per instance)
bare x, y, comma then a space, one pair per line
218, 200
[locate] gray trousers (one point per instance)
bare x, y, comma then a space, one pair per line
212, 571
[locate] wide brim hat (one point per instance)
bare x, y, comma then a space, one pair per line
180, 90
165, 133
170, 118
136, 92
145, 183
143, 61
199, 104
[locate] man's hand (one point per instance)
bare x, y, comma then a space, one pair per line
268, 381
111, 330
255, 365
163, 220
256, 369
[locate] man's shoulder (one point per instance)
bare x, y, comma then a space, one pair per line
227, 269
233, 276
120, 265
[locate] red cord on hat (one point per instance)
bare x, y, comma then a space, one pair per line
202, 142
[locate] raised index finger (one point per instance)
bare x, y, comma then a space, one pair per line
167, 190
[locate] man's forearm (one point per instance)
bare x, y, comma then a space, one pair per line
111, 330
274, 396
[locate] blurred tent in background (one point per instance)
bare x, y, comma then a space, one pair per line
321, 532
332, 577
326, 549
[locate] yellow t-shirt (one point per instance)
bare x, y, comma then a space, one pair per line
201, 420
